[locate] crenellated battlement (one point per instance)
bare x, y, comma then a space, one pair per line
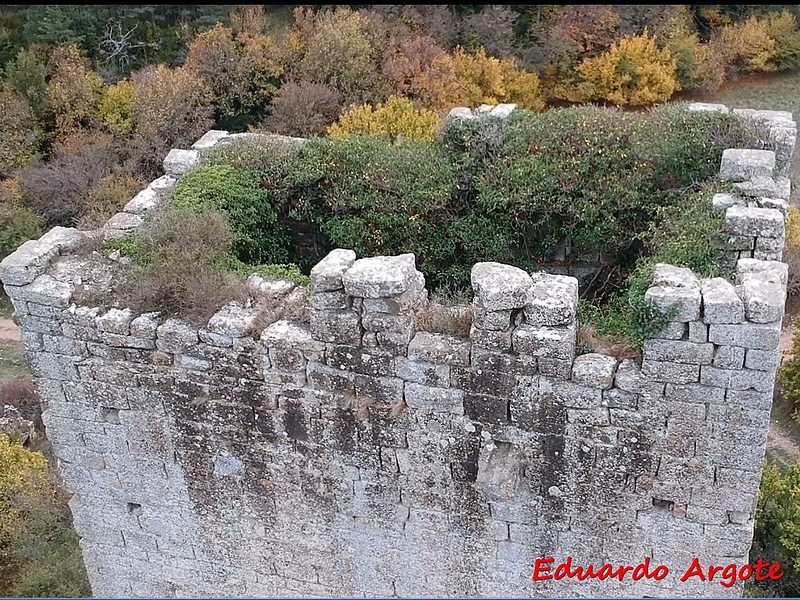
356, 454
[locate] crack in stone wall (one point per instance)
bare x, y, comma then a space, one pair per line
358, 456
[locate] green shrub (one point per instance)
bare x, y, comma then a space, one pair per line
238, 194
686, 234
18, 224
789, 376
180, 265
487, 189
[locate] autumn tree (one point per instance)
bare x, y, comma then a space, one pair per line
27, 74
699, 65
746, 46
782, 28
172, 108
396, 119
72, 91
634, 71
303, 108
241, 71
20, 134
486, 79
492, 28
115, 108
419, 69
332, 47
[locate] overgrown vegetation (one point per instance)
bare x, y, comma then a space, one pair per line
37, 541
777, 532
632, 185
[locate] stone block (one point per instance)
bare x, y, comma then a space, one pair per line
290, 334
209, 139
520, 364
124, 222
745, 266
232, 320
665, 275
387, 322
698, 332
746, 335
721, 303
545, 342
754, 222
43, 290
486, 409
694, 393
725, 201
553, 302
380, 276
559, 368
497, 320
179, 162
742, 165
594, 370
336, 326
115, 321
498, 341
175, 335
501, 287
762, 360
673, 331
744, 379
774, 203
729, 357
423, 373
144, 326
764, 296
678, 352
684, 302
426, 398
334, 300
31, 259
438, 348
326, 275
670, 372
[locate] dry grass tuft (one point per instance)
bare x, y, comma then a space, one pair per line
618, 347
450, 320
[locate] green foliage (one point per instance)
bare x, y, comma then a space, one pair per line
58, 570
129, 246
239, 196
685, 234
18, 224
506, 191
789, 376
778, 511
290, 272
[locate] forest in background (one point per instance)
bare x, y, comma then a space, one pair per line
92, 97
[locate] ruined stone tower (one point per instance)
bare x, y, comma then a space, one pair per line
357, 456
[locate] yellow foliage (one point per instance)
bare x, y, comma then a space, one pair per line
634, 71
395, 120
793, 228
747, 46
23, 481
239, 70
11, 192
19, 132
116, 107
73, 90
484, 79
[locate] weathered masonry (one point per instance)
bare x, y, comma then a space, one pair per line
356, 456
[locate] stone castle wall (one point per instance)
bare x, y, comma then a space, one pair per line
357, 456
